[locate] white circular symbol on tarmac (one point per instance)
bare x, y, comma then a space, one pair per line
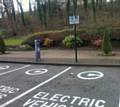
36, 71
90, 75
4, 67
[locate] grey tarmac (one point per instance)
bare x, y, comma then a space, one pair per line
25, 85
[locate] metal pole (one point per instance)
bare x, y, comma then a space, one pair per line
75, 34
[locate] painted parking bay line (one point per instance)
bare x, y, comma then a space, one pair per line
14, 70
34, 88
119, 102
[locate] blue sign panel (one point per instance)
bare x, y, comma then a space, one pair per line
74, 20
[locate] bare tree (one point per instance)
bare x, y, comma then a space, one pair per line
10, 12
21, 12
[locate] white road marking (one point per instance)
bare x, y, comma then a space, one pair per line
37, 71
4, 67
34, 88
119, 102
90, 75
14, 70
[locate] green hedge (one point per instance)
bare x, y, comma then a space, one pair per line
86, 34
56, 36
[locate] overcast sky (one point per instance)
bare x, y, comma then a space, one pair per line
25, 4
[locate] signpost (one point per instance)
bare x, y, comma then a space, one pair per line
74, 20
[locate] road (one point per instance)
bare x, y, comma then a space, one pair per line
24, 85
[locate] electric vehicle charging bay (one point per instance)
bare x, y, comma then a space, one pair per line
24, 85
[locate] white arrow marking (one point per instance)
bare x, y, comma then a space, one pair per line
92, 75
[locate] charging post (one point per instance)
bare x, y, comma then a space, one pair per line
37, 50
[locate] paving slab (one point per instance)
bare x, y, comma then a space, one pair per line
63, 56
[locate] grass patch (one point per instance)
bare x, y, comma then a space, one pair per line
14, 41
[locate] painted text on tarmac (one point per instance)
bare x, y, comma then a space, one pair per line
45, 99
5, 90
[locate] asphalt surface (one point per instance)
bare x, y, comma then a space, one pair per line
23, 85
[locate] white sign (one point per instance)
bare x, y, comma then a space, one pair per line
90, 75
46, 99
4, 67
74, 20
36, 71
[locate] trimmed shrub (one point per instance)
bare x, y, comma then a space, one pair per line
69, 41
106, 45
2, 46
